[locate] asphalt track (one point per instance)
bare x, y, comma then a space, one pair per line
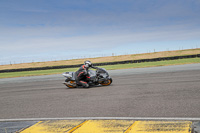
170, 91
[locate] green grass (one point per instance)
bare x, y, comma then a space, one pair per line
154, 64
35, 73
108, 67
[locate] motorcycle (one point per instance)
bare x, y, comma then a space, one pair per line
98, 77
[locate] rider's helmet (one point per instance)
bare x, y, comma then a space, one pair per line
88, 64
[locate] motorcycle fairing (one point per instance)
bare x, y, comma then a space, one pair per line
69, 75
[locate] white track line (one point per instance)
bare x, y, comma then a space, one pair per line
104, 118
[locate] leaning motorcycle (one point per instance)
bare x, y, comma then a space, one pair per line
98, 77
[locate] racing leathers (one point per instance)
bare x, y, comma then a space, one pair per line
82, 76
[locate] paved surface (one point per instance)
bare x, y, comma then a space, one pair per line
12, 127
171, 91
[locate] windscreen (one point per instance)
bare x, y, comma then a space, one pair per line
102, 71
91, 73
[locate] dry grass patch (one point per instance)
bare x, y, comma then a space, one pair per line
104, 59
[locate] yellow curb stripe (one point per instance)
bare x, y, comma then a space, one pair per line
105, 126
128, 130
109, 126
73, 129
52, 126
162, 127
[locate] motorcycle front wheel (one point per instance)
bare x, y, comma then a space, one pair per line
107, 82
70, 86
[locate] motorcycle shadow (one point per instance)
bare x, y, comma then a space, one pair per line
80, 87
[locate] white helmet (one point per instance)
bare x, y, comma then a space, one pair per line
87, 64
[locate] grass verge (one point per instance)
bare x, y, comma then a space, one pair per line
109, 67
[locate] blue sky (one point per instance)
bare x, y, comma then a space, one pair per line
45, 30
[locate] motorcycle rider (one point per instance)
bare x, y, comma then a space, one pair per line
82, 74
